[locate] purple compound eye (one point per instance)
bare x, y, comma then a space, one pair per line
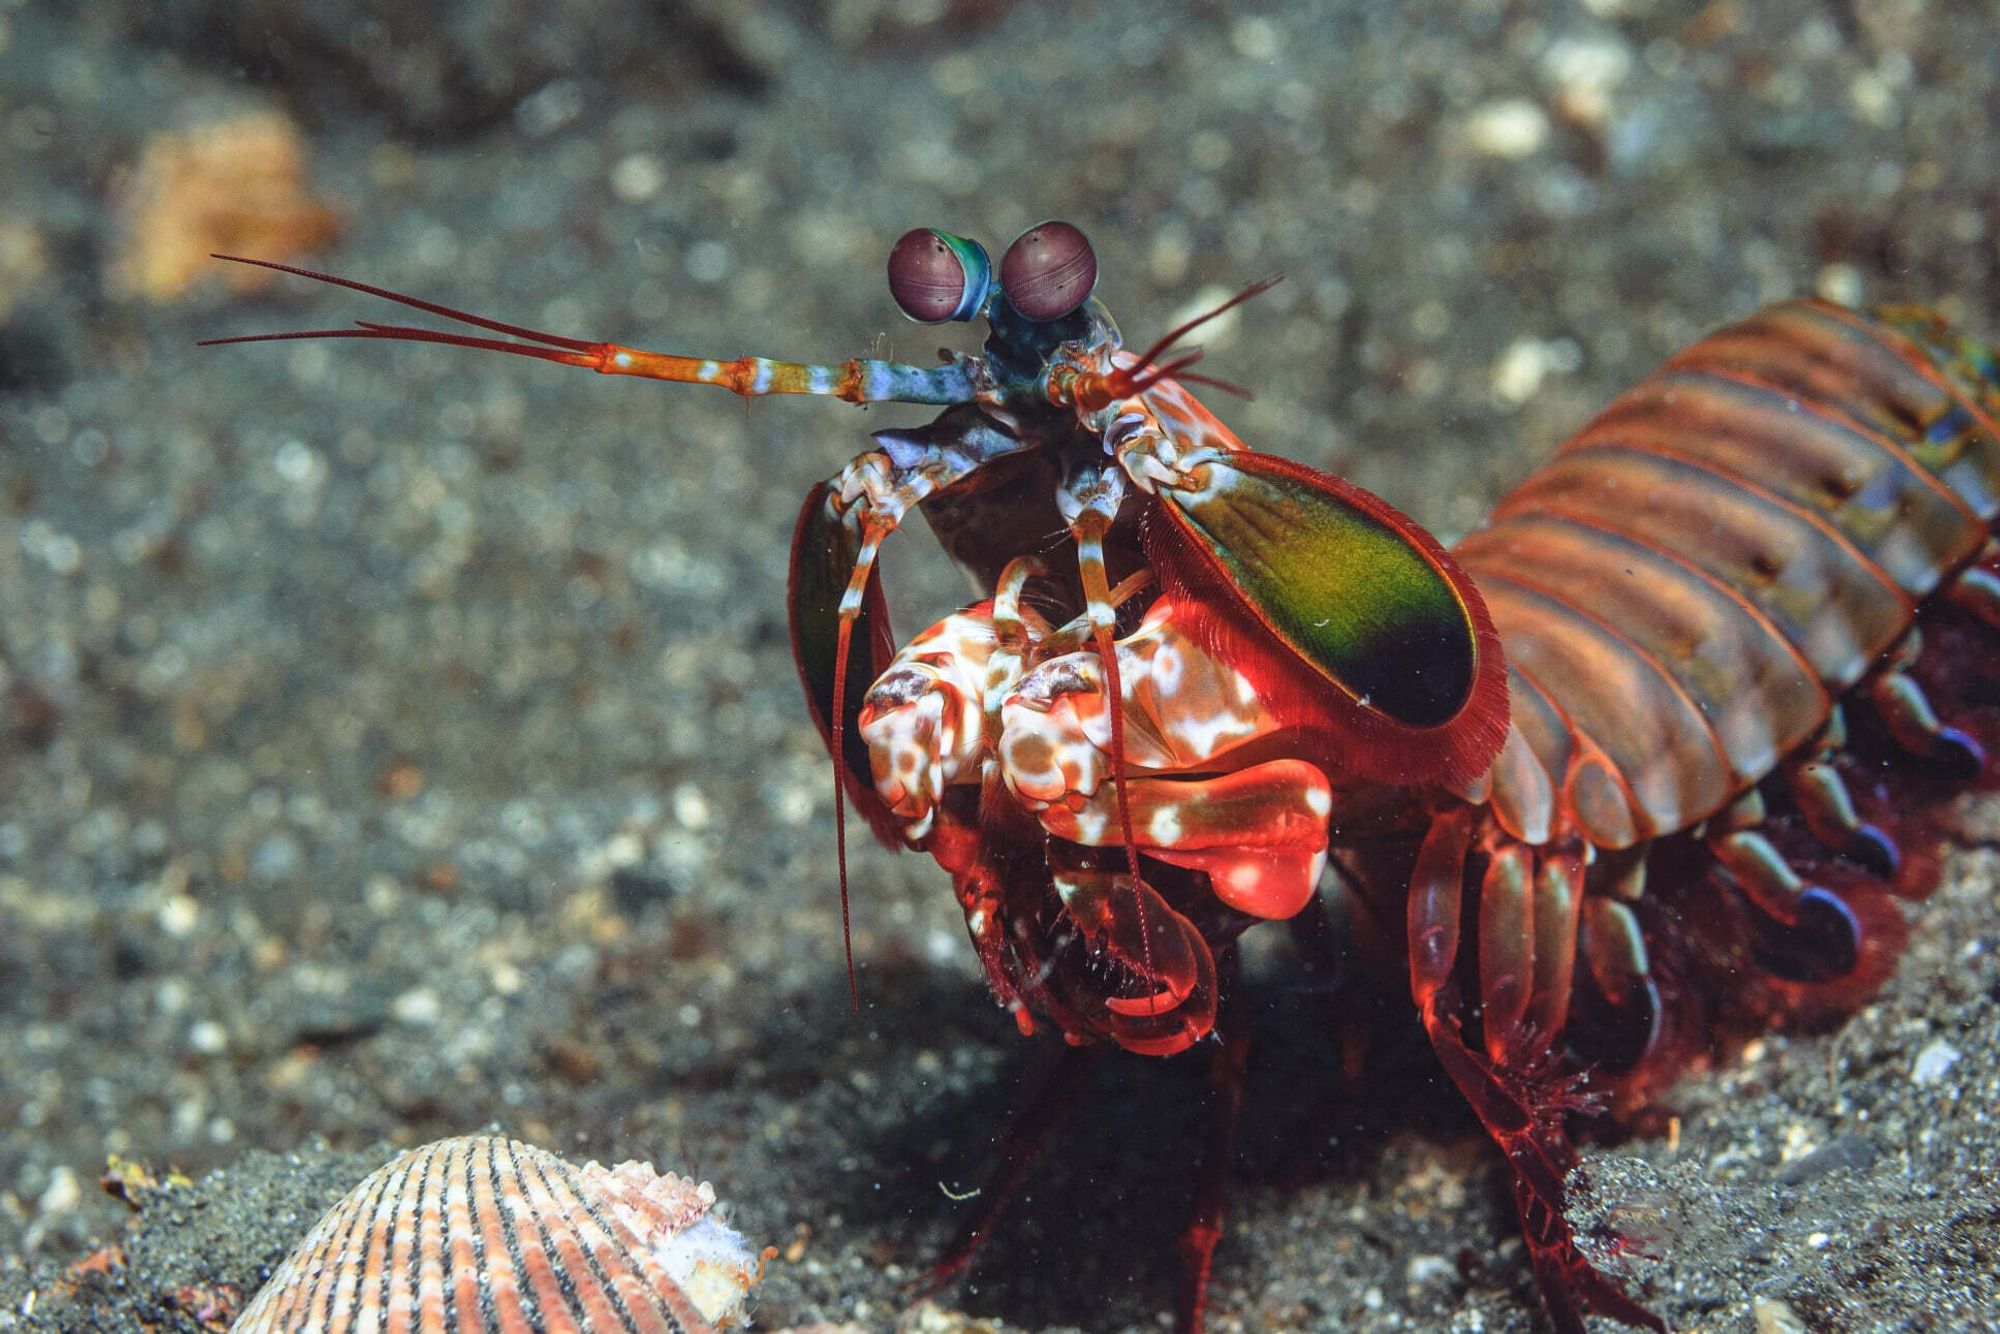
935, 276
1049, 271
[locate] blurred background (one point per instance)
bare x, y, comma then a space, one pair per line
396, 741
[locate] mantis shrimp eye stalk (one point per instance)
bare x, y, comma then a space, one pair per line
1049, 271
935, 277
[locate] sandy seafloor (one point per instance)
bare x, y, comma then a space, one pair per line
402, 741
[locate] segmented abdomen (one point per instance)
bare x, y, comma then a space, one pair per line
1686, 587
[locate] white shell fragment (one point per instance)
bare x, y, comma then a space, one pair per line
493, 1235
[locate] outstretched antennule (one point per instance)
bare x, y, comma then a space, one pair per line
1174, 335
1091, 391
370, 329
859, 380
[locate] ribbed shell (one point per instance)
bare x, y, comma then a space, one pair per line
491, 1235
1684, 589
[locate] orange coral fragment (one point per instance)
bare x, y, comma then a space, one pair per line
236, 185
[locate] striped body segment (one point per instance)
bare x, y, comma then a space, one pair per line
1685, 590
1790, 515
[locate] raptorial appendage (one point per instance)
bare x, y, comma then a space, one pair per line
990, 707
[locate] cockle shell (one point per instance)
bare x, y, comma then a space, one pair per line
492, 1235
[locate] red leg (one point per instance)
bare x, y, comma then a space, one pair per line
1507, 954
1227, 1070
1520, 1105
1044, 1103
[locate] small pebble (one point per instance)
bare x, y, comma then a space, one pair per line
1254, 39
1217, 333
1520, 370
1774, 1317
637, 177
1842, 283
1585, 70
1511, 129
179, 914
1427, 1269
419, 1006
1933, 1062
64, 1192
1850, 1151
707, 261
691, 810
